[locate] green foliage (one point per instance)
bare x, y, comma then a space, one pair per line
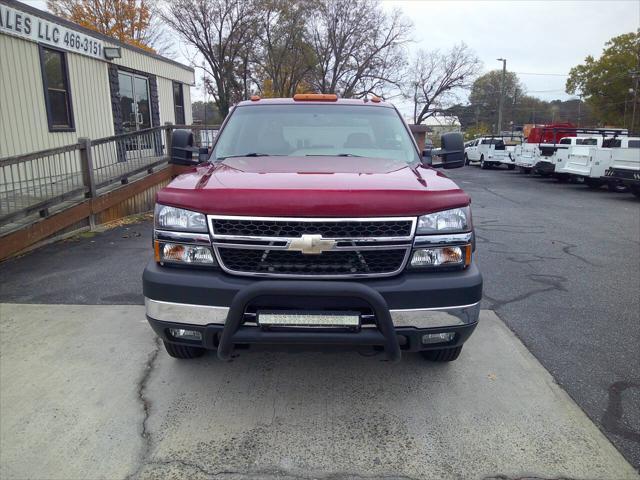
477, 131
606, 82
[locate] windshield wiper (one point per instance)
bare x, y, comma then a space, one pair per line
332, 155
252, 154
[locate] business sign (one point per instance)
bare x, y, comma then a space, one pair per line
36, 29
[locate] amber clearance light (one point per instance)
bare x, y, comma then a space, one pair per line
315, 97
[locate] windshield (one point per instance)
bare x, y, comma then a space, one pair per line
312, 130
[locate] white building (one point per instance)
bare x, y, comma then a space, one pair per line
60, 81
439, 124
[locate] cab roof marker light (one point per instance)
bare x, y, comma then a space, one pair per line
315, 97
376, 99
255, 98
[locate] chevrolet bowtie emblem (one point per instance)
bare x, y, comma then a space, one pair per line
311, 244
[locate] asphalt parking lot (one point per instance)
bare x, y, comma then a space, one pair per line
561, 269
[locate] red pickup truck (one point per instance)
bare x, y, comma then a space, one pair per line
315, 221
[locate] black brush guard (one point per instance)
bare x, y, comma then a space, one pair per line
234, 333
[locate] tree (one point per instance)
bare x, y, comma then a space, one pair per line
223, 32
358, 47
130, 21
283, 57
435, 78
485, 94
202, 111
609, 82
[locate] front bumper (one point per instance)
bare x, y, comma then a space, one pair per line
628, 177
396, 311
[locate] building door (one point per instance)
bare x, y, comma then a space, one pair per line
134, 102
136, 113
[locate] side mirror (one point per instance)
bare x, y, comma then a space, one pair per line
182, 149
426, 157
451, 154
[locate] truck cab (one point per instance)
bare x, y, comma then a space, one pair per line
315, 221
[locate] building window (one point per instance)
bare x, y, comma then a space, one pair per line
178, 102
57, 95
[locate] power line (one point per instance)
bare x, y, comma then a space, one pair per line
544, 74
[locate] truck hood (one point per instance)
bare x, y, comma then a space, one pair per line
312, 187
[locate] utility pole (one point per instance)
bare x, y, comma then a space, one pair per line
579, 110
635, 101
504, 72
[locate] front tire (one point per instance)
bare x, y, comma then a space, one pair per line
183, 351
442, 355
466, 159
511, 166
483, 165
635, 189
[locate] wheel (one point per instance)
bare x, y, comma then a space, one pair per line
562, 178
483, 165
525, 170
442, 355
593, 183
617, 187
466, 159
511, 166
635, 189
183, 351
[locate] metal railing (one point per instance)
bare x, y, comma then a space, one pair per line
35, 182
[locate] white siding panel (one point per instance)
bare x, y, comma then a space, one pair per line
23, 114
165, 99
188, 116
155, 66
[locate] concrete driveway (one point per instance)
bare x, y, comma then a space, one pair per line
561, 271
87, 392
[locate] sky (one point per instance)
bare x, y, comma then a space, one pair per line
546, 37
536, 37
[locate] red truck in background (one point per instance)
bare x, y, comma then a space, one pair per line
315, 221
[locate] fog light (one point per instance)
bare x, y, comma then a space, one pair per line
179, 253
434, 257
430, 338
185, 334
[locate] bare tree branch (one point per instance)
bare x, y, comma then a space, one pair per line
435, 78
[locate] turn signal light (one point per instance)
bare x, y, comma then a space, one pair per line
315, 97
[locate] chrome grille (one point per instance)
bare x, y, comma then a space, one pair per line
368, 247
328, 229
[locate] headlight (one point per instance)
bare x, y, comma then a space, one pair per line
449, 221
172, 218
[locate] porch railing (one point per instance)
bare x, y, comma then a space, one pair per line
37, 182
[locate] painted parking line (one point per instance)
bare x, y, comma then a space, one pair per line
87, 393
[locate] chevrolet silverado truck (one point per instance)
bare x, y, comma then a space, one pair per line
316, 222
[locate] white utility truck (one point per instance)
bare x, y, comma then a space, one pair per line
625, 165
540, 142
574, 155
488, 151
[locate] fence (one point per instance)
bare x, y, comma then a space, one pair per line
35, 183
